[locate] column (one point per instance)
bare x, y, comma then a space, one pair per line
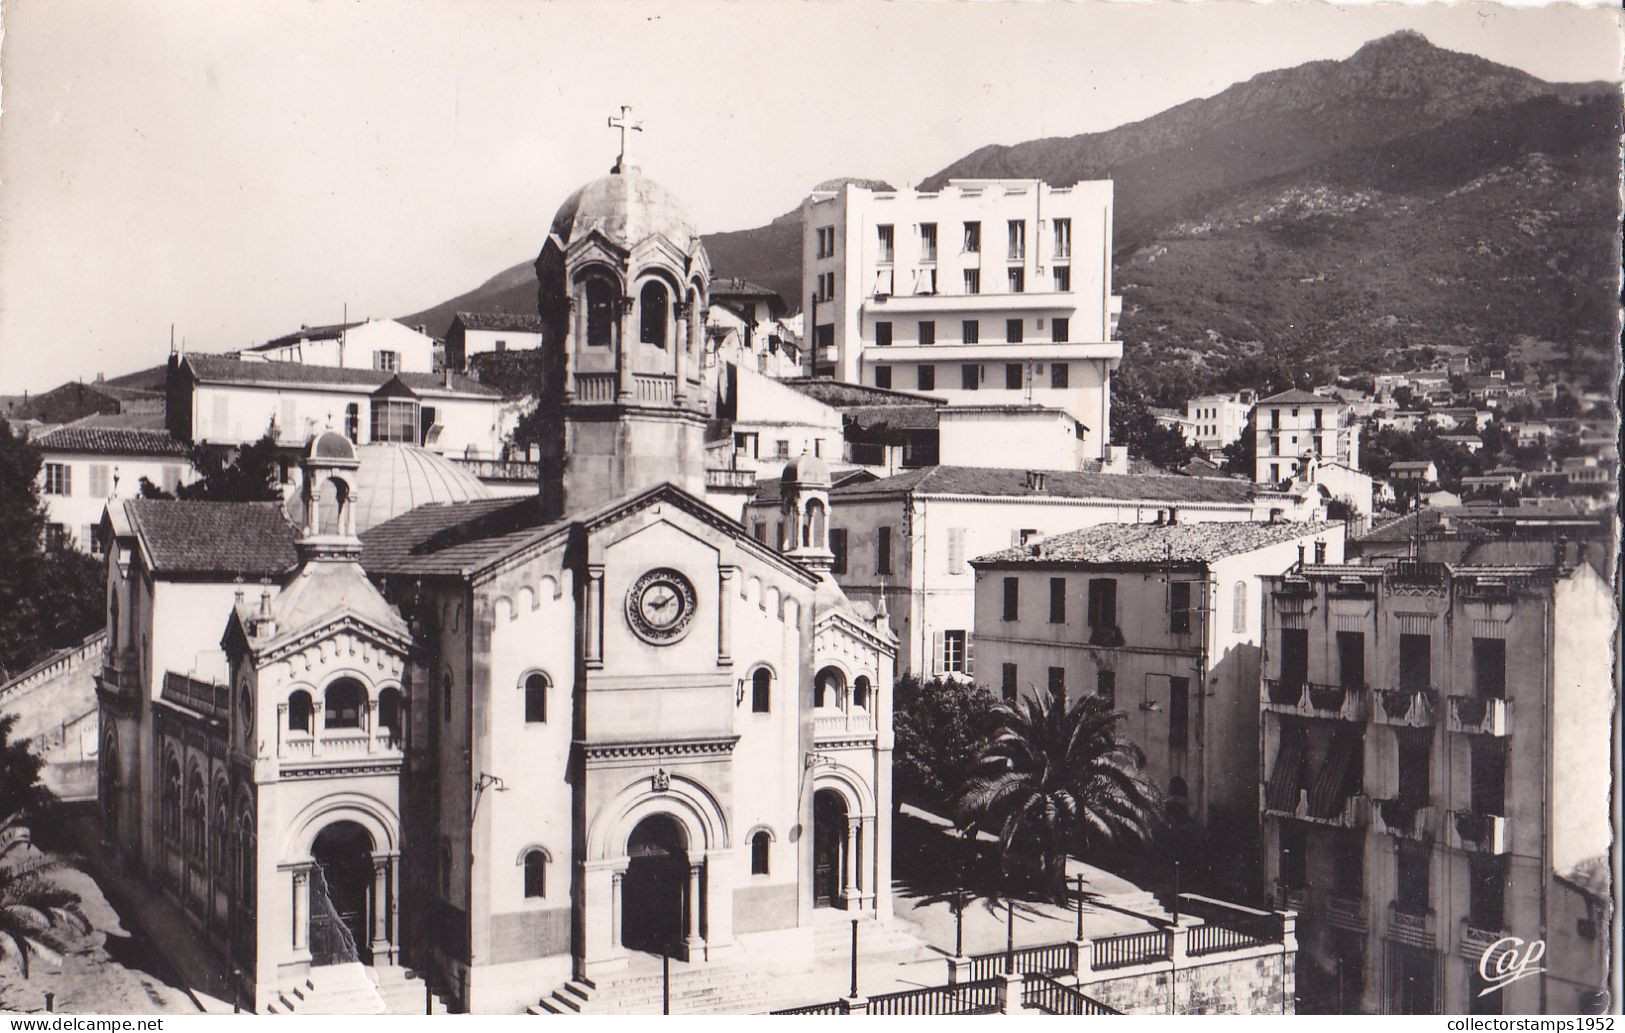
867, 850
380, 902
849, 889
369, 723
624, 340
301, 910
394, 907
692, 909
574, 331
679, 349
725, 609
594, 623
615, 909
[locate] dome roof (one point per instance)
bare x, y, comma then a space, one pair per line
805, 469
394, 478
627, 208
331, 445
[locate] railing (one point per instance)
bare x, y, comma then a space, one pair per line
1291, 898
1417, 572
1234, 935
730, 478
1347, 913
1411, 707
1480, 833
1354, 813
1046, 959
121, 674
1045, 994
56, 663
1476, 942
498, 469
1284, 693
201, 696
827, 1008
1406, 819
1131, 949
1316, 699
1413, 928
1479, 715
980, 997
595, 387
844, 724
653, 387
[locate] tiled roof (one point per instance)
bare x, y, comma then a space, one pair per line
975, 480
1297, 396
891, 417
113, 441
842, 395
454, 538
219, 369
239, 539
326, 332
1155, 543
1411, 464
1427, 522
499, 321
736, 287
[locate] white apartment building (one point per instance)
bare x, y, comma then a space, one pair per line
83, 468
1296, 424
1214, 421
475, 333
988, 292
379, 344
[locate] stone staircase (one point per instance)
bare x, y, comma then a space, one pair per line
355, 989
832, 942
696, 989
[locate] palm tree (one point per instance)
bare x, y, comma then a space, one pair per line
33, 912
1052, 780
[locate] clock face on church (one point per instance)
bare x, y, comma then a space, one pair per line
660, 606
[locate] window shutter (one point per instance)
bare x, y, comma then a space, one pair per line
936, 653
970, 655
1015, 536
956, 550
1094, 603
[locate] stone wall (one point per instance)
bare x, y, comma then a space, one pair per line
1249, 982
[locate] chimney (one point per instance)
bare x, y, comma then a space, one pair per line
1173, 515
1035, 480
446, 372
423, 329
1162, 517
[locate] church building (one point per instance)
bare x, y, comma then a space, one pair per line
510, 743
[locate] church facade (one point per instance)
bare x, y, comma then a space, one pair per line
510, 742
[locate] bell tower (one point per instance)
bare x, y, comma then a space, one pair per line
804, 502
624, 285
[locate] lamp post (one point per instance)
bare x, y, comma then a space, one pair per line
1080, 906
959, 923
1009, 936
1176, 892
854, 958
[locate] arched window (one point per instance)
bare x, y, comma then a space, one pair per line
600, 313
352, 422
536, 699
300, 709
535, 865
112, 625
389, 714
172, 799
760, 843
815, 523
220, 834
761, 691
1238, 613
246, 855
245, 716
445, 695
860, 693
108, 777
652, 305
344, 700
828, 688
197, 816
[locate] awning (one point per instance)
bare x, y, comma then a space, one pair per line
1286, 777
1334, 783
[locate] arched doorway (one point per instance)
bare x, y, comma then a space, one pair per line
340, 884
655, 886
829, 841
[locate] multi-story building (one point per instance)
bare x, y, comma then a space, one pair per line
83, 468
1432, 778
476, 333
1294, 424
1161, 619
906, 541
987, 292
1214, 421
379, 344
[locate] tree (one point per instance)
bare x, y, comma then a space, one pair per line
1134, 425
1241, 455
251, 476
938, 727
34, 913
1055, 780
48, 600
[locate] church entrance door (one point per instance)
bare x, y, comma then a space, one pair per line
340, 882
655, 884
829, 837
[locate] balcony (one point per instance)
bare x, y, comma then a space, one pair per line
339, 744
723, 479
1416, 929
1412, 708
1291, 898
121, 675
1475, 942
1479, 715
201, 697
1334, 702
1478, 833
498, 469
1352, 913
1354, 814
1404, 819
979, 302
857, 724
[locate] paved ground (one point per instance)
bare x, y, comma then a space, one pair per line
112, 970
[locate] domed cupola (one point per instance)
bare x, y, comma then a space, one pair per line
804, 501
624, 283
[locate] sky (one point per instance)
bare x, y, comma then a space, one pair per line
237, 170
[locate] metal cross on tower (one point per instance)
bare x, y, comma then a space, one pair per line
625, 124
